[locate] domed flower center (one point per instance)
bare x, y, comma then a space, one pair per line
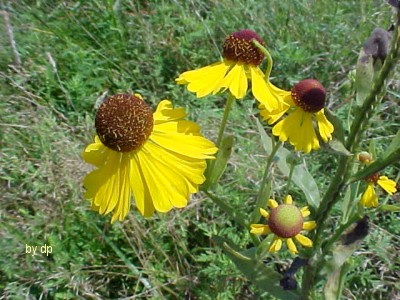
285, 220
372, 178
124, 122
310, 95
239, 47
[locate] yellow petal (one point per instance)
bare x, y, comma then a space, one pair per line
206, 80
325, 127
299, 130
166, 113
108, 187
305, 241
309, 225
95, 153
167, 189
387, 184
369, 198
259, 229
236, 81
288, 199
264, 213
272, 203
139, 188
305, 212
264, 91
291, 246
276, 245
187, 145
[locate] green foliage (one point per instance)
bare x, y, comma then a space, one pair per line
74, 53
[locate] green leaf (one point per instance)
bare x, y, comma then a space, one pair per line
394, 145
338, 133
364, 76
219, 165
338, 147
263, 277
390, 207
301, 177
335, 283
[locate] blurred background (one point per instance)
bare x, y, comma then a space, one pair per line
60, 59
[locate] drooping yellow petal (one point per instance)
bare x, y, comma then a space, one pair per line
265, 92
259, 229
188, 145
191, 169
236, 81
309, 225
276, 245
291, 246
95, 153
299, 130
165, 112
305, 212
139, 188
206, 80
167, 189
285, 102
325, 127
305, 241
369, 198
272, 203
387, 184
288, 199
264, 213
108, 187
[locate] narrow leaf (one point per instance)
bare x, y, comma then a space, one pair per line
265, 278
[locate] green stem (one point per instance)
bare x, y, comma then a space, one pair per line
376, 166
267, 56
265, 187
227, 110
289, 181
357, 129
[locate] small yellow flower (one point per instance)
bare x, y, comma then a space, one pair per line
285, 221
306, 103
369, 197
157, 158
241, 59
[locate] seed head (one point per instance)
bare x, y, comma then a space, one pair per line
285, 220
124, 122
239, 47
310, 95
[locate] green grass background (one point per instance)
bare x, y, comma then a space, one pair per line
74, 53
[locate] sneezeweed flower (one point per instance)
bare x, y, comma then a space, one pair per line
305, 105
156, 158
369, 197
285, 221
241, 59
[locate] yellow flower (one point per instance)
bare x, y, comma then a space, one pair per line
306, 102
369, 198
285, 221
241, 59
156, 158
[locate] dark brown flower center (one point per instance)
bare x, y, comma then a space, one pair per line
124, 122
285, 220
372, 178
239, 47
310, 95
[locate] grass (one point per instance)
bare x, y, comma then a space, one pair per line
73, 54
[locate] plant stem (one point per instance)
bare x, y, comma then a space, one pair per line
267, 56
227, 110
343, 171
